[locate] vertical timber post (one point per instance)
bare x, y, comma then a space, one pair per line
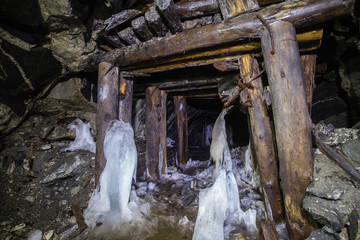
292, 123
107, 107
182, 149
155, 133
308, 64
125, 99
260, 129
262, 140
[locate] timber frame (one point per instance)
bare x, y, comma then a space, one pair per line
160, 40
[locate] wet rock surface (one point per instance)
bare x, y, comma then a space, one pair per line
333, 195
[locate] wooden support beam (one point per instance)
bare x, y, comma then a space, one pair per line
120, 18
155, 133
114, 40
125, 98
292, 123
168, 11
154, 21
308, 64
182, 149
128, 36
192, 9
223, 53
140, 27
262, 139
260, 129
173, 85
197, 8
245, 26
107, 107
230, 8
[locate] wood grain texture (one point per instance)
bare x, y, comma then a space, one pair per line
292, 123
245, 26
182, 148
155, 133
125, 98
107, 110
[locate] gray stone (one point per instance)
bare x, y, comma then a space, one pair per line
332, 196
74, 163
320, 234
351, 149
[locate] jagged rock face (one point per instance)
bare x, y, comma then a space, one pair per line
41, 41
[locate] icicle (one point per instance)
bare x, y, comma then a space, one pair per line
109, 202
213, 203
83, 140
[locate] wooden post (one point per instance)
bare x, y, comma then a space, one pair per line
182, 148
260, 129
292, 123
308, 64
107, 107
125, 99
155, 133
262, 140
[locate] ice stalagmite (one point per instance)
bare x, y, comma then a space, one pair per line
83, 140
213, 203
219, 204
109, 202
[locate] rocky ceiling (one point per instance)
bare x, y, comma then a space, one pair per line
43, 42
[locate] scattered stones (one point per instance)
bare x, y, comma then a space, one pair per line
333, 197
30, 199
75, 190
49, 234
45, 147
18, 227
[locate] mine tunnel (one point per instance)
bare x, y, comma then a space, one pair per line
179, 119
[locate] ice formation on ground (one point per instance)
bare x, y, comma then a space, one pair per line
83, 140
113, 204
220, 202
213, 203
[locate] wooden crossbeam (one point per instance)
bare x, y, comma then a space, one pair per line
302, 13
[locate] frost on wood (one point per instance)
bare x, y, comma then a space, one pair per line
84, 139
109, 203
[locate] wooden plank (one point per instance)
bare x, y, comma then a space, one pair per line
128, 36
107, 107
125, 98
154, 21
197, 8
260, 129
245, 26
140, 27
223, 53
292, 123
168, 11
120, 18
155, 133
192, 9
114, 40
308, 64
182, 148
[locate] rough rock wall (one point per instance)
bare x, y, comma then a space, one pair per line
42, 42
